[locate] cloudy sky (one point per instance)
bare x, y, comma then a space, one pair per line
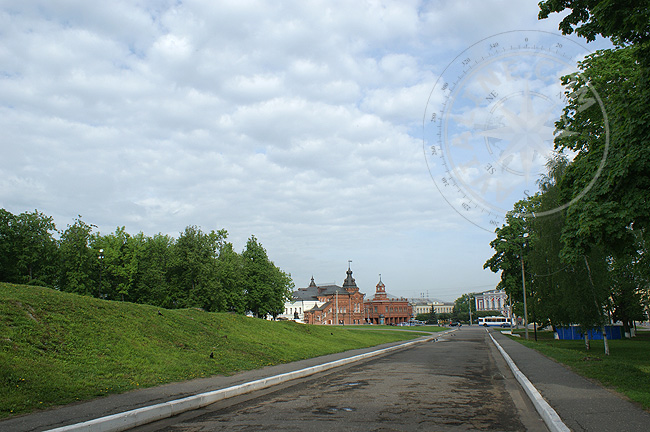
299, 122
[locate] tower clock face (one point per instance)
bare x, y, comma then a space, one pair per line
491, 119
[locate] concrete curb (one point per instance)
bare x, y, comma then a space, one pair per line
550, 417
138, 417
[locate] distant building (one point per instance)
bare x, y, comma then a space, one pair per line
301, 300
442, 307
494, 300
386, 309
421, 306
426, 305
328, 304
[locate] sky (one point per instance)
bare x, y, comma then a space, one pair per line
298, 122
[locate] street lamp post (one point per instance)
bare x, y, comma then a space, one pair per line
101, 267
523, 283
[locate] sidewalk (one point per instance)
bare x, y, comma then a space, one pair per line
581, 404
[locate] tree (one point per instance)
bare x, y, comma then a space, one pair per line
194, 268
77, 260
512, 245
27, 247
266, 286
609, 225
120, 263
230, 275
625, 21
8, 267
462, 307
152, 284
429, 317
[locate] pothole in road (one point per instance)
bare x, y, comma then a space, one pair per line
351, 385
333, 410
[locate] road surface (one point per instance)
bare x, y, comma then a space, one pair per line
459, 383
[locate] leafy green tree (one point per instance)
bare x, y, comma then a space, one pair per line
36, 247
610, 221
266, 286
230, 275
27, 247
152, 284
120, 263
462, 305
512, 246
78, 263
624, 21
8, 267
428, 318
628, 295
194, 268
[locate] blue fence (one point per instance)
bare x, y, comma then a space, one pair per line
576, 333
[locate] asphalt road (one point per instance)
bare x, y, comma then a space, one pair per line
459, 383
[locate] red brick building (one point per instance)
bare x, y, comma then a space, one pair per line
335, 305
386, 309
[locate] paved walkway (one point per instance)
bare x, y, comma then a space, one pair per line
582, 405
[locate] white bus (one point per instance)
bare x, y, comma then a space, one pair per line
494, 321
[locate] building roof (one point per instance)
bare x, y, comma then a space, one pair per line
426, 300
311, 293
389, 297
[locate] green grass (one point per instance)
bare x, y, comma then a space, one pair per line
57, 348
626, 370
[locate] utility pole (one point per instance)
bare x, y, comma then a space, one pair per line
523, 283
469, 303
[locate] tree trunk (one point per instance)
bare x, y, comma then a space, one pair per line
598, 308
587, 344
605, 341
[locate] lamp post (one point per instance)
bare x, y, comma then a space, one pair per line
101, 267
523, 282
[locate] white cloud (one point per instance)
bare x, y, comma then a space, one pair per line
298, 122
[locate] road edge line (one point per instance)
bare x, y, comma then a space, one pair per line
141, 416
550, 417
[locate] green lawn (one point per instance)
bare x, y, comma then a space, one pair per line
57, 348
626, 369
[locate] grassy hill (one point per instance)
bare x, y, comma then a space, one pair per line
57, 348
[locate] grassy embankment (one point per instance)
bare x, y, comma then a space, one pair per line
626, 370
57, 348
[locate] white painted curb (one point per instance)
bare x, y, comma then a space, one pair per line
550, 417
138, 417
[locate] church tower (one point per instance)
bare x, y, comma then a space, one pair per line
380, 290
349, 284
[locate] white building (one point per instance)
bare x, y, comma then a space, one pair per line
303, 299
442, 307
426, 305
494, 300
